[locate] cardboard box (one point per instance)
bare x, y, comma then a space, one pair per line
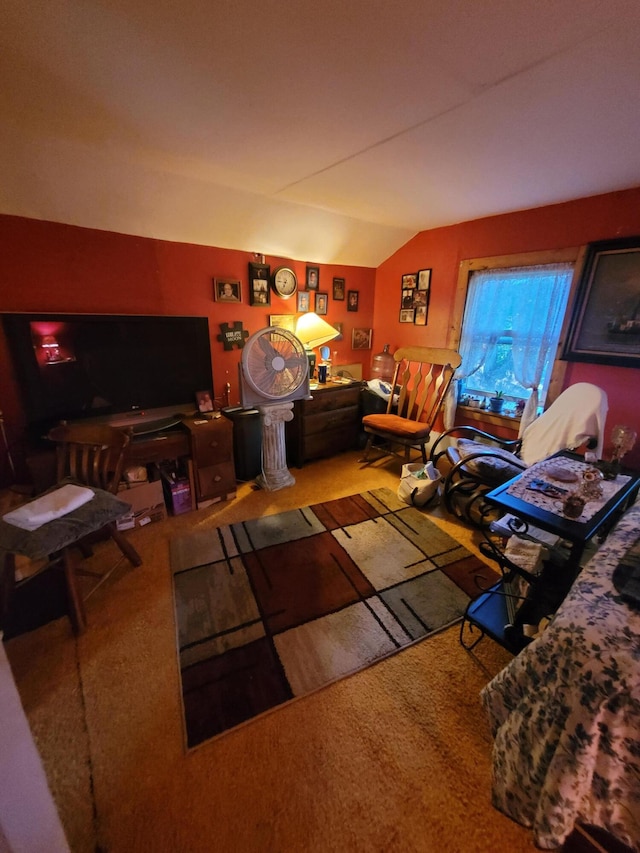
177, 494
147, 504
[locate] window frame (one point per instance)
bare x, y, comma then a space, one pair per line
573, 254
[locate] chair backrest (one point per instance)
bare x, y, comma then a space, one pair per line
424, 375
90, 454
577, 415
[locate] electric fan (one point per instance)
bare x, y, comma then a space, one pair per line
274, 371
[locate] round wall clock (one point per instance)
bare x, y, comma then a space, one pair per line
284, 282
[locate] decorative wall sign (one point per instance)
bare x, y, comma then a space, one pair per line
232, 336
605, 318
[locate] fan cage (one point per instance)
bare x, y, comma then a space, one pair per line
274, 364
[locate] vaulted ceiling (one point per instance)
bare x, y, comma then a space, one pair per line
322, 130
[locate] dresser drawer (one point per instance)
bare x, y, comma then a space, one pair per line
334, 398
215, 480
330, 420
328, 443
212, 444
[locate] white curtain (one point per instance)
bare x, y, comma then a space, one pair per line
536, 326
485, 302
530, 301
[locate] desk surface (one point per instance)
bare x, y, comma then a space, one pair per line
546, 514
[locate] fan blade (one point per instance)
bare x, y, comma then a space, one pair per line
267, 347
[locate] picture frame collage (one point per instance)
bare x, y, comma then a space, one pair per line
414, 297
311, 298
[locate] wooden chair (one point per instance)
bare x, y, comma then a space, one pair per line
89, 455
421, 380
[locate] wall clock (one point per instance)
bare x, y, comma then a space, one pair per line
284, 282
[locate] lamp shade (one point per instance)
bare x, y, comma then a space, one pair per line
314, 331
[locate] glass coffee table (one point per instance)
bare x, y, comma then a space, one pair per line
537, 498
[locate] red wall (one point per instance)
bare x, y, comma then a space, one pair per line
554, 227
46, 266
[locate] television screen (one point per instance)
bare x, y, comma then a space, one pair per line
127, 370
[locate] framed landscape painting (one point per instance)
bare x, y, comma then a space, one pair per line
604, 325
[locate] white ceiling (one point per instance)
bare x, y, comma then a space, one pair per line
321, 130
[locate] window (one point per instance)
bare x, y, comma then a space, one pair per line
511, 326
513, 317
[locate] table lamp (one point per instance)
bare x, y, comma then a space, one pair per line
313, 331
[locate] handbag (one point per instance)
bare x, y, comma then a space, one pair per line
419, 483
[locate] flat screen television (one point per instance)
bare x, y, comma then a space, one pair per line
128, 370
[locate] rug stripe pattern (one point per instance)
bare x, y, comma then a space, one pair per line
274, 608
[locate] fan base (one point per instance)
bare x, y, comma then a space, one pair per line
275, 480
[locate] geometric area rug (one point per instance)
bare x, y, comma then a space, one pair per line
272, 609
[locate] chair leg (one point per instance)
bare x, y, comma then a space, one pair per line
77, 613
125, 546
367, 449
7, 586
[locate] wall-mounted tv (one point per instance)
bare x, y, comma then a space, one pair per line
124, 369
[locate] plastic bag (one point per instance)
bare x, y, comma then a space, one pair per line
418, 483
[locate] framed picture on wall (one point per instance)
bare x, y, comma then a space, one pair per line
313, 278
259, 293
424, 279
604, 326
352, 300
407, 315
338, 289
361, 338
339, 328
283, 321
409, 280
227, 290
321, 303
303, 300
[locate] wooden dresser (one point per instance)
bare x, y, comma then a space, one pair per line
324, 425
214, 474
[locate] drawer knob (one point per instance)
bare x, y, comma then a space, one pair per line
217, 478
213, 444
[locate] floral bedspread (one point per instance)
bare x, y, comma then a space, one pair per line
565, 713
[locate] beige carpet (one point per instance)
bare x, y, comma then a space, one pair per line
394, 758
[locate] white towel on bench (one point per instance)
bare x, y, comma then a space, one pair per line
55, 504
